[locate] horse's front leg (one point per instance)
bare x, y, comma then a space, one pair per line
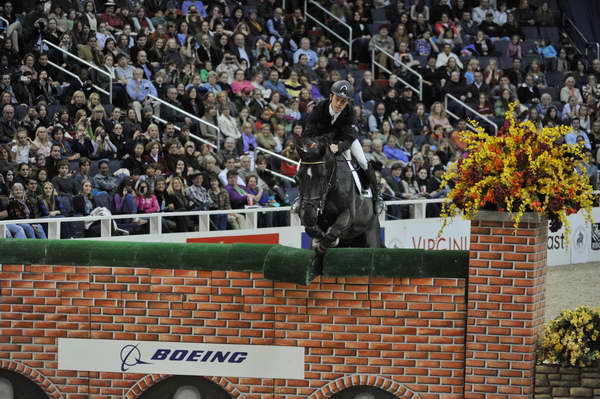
342, 224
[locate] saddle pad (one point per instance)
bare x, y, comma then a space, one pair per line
367, 193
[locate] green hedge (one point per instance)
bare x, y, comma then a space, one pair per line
277, 262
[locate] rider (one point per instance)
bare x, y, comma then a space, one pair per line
334, 117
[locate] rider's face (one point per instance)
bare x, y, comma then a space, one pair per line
338, 103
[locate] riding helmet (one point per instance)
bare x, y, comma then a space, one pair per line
343, 88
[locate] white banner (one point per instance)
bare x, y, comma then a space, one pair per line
258, 361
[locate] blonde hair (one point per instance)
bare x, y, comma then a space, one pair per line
442, 113
171, 189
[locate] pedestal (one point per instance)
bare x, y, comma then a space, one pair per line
505, 289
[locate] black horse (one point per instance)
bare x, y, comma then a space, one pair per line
332, 210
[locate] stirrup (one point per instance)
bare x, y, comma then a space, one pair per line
295, 207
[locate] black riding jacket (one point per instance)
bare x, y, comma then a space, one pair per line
342, 132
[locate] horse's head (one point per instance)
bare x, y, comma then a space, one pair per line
314, 176
311, 150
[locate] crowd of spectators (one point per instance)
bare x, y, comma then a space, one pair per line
255, 70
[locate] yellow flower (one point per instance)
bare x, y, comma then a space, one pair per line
522, 170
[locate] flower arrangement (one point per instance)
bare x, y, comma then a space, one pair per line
571, 339
526, 169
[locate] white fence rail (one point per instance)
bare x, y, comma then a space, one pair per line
155, 219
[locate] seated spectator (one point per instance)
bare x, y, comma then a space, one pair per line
21, 147
64, 183
177, 202
239, 82
393, 151
571, 109
220, 199
206, 130
438, 116
103, 147
19, 207
237, 193
42, 144
525, 14
293, 85
528, 92
515, 74
483, 106
382, 43
514, 48
504, 84
445, 55
378, 153
23, 174
138, 89
84, 172
103, 181
569, 90
376, 118
577, 135
6, 159
49, 203
491, 28
52, 162
502, 103
228, 124
552, 117
266, 139
145, 200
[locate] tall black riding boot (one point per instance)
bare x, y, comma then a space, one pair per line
378, 203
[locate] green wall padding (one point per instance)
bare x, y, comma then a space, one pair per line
348, 262
277, 262
290, 265
248, 256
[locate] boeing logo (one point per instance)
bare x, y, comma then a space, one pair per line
130, 356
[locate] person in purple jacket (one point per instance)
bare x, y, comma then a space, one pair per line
238, 194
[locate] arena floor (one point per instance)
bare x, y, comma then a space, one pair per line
570, 286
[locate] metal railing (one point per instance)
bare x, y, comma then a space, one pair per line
200, 139
66, 71
276, 155
281, 176
468, 107
155, 219
579, 39
374, 62
419, 204
191, 116
348, 41
5, 22
96, 68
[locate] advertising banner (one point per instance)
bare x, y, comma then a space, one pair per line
150, 357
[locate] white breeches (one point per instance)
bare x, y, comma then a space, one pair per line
359, 155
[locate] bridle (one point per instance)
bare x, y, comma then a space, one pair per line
319, 201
